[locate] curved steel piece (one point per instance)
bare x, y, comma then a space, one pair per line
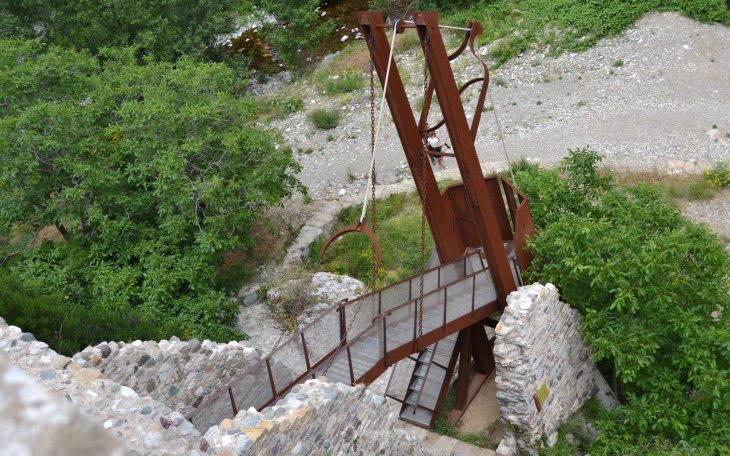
360, 227
475, 29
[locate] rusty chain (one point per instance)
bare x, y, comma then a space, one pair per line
373, 276
423, 201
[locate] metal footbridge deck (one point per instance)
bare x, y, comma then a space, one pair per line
356, 341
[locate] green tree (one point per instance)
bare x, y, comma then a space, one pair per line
297, 27
652, 288
163, 28
148, 171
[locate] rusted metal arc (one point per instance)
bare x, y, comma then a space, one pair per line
476, 30
429, 92
360, 227
463, 88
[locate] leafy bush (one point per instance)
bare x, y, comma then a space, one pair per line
283, 105
165, 29
326, 120
651, 286
719, 174
344, 82
149, 172
298, 26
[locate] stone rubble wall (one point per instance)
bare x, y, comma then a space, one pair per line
538, 340
316, 418
34, 421
179, 374
142, 423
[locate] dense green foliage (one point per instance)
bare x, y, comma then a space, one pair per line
651, 286
297, 28
562, 25
324, 119
166, 29
149, 171
398, 229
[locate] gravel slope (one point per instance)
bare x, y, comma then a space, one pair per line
658, 106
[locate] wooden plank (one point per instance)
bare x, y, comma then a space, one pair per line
474, 387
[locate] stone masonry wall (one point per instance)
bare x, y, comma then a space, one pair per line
315, 418
35, 421
179, 374
538, 341
145, 425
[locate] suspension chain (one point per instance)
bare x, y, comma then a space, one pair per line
423, 244
423, 202
373, 276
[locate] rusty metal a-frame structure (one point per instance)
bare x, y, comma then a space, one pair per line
433, 319
467, 215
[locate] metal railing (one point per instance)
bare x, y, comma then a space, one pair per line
381, 322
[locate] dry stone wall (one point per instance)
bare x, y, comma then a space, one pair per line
316, 418
34, 421
179, 374
539, 351
104, 415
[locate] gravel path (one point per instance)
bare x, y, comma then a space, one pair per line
658, 106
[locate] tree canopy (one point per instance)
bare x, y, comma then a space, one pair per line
165, 29
653, 290
147, 170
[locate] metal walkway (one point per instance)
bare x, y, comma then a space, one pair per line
357, 341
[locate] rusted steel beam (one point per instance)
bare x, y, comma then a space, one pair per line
482, 349
448, 245
447, 382
463, 145
462, 383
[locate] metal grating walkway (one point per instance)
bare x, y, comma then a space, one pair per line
357, 340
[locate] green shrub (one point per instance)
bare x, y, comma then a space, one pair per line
651, 287
719, 174
326, 120
283, 105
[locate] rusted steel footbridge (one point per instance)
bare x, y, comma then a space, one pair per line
428, 323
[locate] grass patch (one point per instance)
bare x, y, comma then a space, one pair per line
398, 230
343, 82
326, 120
674, 186
442, 427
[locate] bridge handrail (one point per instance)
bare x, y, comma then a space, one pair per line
340, 308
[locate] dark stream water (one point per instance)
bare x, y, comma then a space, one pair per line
341, 12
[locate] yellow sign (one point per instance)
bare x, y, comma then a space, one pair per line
543, 393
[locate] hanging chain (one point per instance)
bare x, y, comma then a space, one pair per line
423, 202
423, 244
374, 275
